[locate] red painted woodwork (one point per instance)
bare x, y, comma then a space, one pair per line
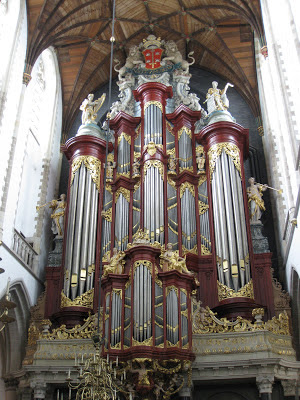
207, 277
237, 306
85, 145
262, 282
53, 290
184, 116
152, 91
124, 122
70, 316
221, 132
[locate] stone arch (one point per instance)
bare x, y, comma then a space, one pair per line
14, 336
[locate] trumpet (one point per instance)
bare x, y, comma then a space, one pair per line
269, 187
44, 205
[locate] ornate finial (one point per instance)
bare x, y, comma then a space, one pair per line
151, 41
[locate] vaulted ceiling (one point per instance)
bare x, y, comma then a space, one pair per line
220, 32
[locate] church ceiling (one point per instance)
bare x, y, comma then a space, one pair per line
220, 32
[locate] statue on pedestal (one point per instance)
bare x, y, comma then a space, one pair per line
135, 167
172, 260
216, 99
90, 108
200, 159
255, 201
58, 215
172, 165
116, 263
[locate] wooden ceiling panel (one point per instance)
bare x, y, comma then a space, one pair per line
219, 32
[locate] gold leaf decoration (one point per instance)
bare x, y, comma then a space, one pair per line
230, 149
186, 130
205, 321
155, 103
224, 292
85, 300
202, 207
189, 186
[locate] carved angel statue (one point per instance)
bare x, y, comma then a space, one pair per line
216, 99
58, 215
171, 260
90, 108
255, 201
116, 263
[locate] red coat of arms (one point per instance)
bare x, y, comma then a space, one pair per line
153, 58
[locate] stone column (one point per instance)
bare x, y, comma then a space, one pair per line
11, 385
265, 384
25, 393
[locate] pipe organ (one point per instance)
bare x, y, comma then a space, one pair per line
170, 222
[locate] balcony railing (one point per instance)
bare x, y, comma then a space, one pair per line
23, 249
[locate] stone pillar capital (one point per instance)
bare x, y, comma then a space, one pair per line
289, 387
265, 383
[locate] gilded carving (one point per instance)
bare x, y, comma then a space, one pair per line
84, 331
92, 164
147, 342
125, 192
224, 292
186, 130
189, 186
202, 179
230, 149
169, 128
156, 164
107, 215
146, 263
125, 136
154, 102
202, 207
205, 321
85, 300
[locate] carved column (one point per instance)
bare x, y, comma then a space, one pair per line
265, 385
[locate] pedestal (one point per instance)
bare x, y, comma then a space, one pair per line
259, 241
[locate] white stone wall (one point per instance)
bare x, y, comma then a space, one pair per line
279, 87
30, 131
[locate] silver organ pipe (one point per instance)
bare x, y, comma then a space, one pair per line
230, 226
142, 316
82, 226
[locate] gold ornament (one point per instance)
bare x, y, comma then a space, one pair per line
92, 164
224, 292
186, 130
125, 136
85, 300
154, 102
202, 207
156, 164
189, 186
230, 149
